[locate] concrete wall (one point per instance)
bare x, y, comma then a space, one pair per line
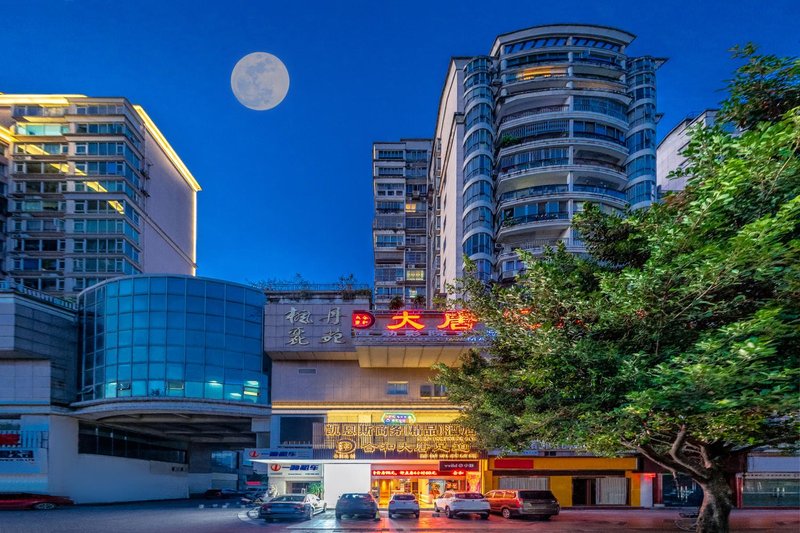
171, 206
343, 381
34, 330
341, 478
88, 478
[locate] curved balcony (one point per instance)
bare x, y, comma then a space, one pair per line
538, 247
516, 225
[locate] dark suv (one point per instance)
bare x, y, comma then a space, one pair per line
522, 502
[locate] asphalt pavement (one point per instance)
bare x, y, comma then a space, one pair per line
196, 516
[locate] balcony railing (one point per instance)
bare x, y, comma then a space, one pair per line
539, 217
524, 167
10, 286
535, 111
599, 190
537, 246
599, 163
533, 192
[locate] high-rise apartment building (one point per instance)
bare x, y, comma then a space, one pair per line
399, 229
669, 156
554, 117
94, 191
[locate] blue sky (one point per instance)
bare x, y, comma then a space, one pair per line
289, 190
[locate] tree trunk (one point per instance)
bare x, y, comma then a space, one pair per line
717, 504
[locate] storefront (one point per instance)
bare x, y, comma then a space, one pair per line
427, 481
575, 481
294, 478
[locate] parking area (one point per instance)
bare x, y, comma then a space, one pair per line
197, 516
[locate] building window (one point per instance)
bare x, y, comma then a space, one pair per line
396, 388
431, 390
415, 275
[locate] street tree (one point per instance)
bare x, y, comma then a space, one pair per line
677, 337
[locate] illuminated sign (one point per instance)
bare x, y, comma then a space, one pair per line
398, 418
379, 441
412, 323
362, 320
447, 466
406, 473
417, 473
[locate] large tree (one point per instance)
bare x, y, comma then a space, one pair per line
677, 337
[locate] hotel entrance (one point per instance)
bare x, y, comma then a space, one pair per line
425, 482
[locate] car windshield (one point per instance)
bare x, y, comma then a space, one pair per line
404, 497
468, 495
356, 496
536, 495
298, 498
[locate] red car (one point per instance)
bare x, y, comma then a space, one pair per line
26, 500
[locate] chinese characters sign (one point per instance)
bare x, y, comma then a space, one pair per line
299, 326
379, 441
405, 473
414, 323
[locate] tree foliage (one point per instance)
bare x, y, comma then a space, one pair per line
765, 87
678, 337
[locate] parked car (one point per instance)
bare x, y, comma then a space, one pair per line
214, 494
536, 503
459, 503
254, 496
292, 506
403, 503
26, 500
357, 504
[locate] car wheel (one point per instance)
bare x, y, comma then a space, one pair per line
309, 514
546, 518
435, 509
448, 513
44, 506
338, 516
485, 516
325, 507
416, 515
506, 512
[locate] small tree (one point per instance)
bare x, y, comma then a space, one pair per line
396, 303
678, 338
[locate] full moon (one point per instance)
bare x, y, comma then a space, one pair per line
260, 81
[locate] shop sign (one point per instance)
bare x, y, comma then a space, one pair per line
276, 453
413, 441
273, 453
9, 439
398, 418
17, 455
514, 464
414, 323
406, 473
295, 471
447, 466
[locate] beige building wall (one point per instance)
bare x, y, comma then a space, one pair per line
344, 382
447, 187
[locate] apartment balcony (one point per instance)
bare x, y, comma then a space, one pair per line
522, 116
533, 173
389, 255
526, 223
538, 246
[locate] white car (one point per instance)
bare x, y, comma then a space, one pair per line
403, 503
458, 503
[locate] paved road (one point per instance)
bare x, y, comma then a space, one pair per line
187, 517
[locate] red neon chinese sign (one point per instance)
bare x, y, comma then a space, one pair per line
406, 319
416, 473
363, 320
458, 321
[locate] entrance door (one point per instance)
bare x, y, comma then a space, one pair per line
584, 491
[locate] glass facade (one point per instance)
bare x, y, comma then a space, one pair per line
173, 336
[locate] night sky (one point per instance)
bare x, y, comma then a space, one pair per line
289, 190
